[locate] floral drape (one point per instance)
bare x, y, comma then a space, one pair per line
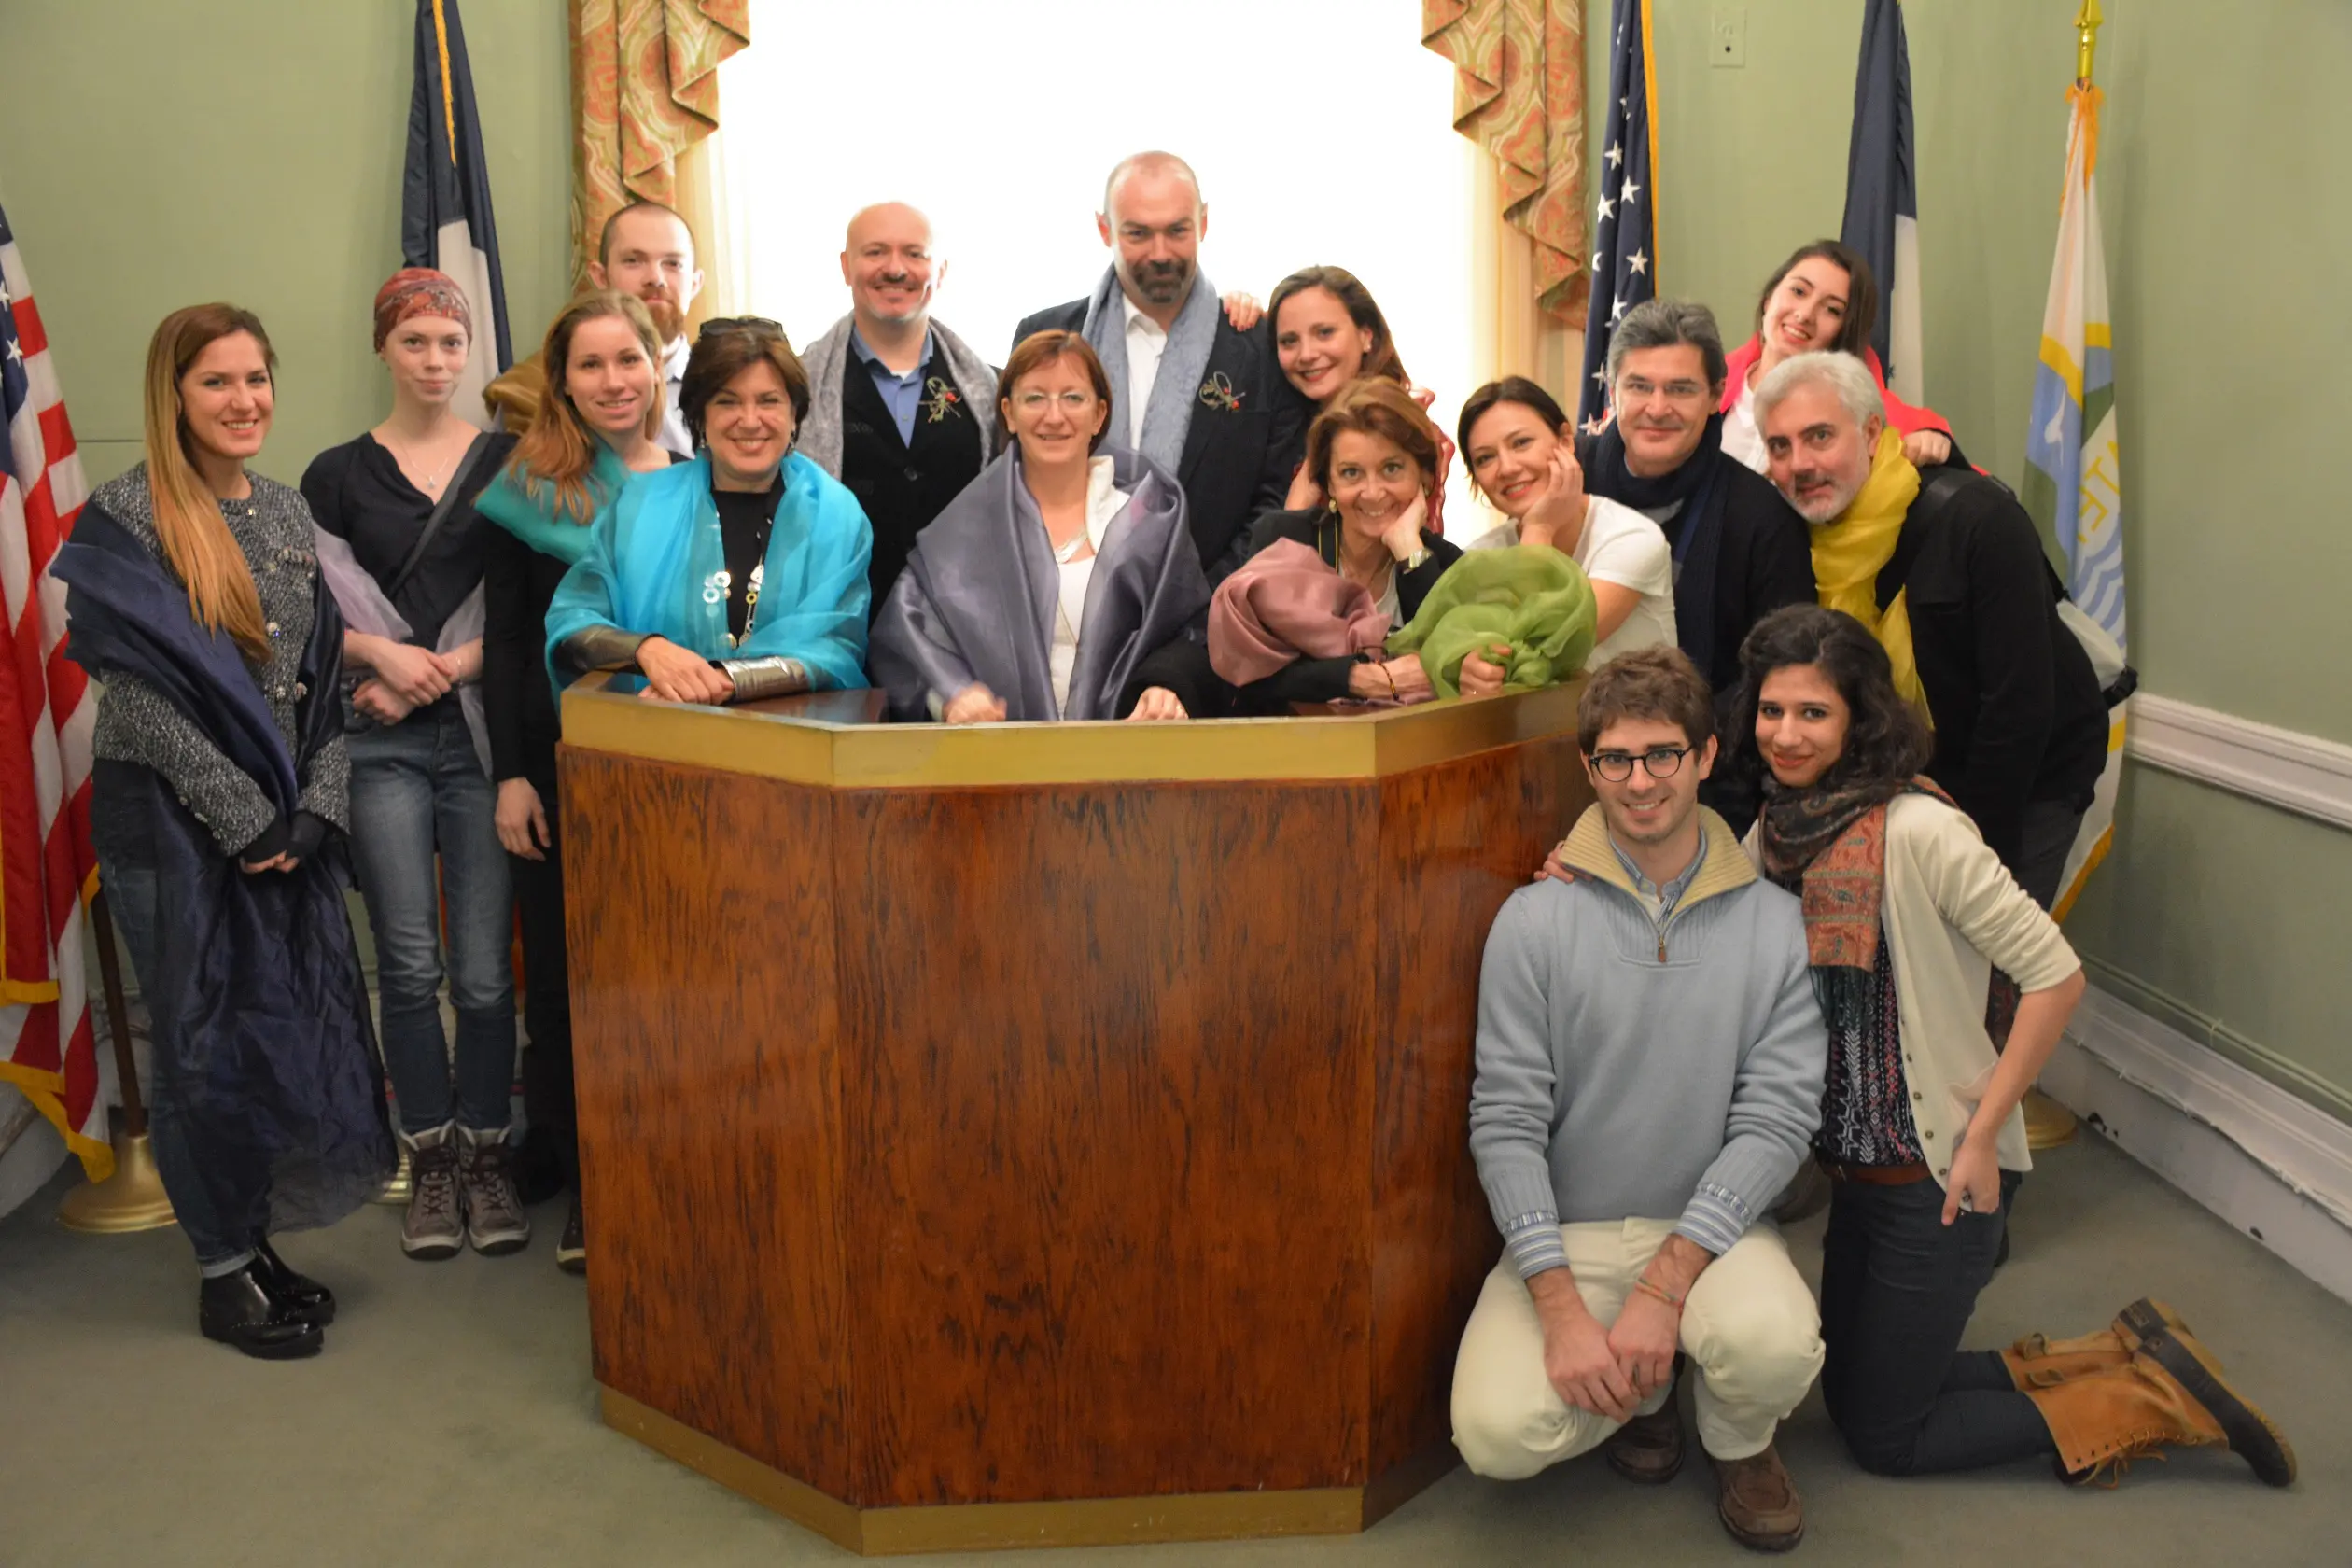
645, 89
1518, 92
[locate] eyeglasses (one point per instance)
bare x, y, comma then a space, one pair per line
759, 324
1072, 402
1661, 762
1635, 389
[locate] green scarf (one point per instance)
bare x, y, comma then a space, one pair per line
1531, 598
507, 501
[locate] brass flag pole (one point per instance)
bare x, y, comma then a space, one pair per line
133, 1199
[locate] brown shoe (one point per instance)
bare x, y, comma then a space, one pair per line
2171, 1394
2038, 1361
1649, 1448
1757, 1502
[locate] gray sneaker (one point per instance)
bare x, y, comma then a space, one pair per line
432, 1228
495, 1221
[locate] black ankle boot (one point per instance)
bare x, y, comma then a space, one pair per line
314, 1301
238, 1309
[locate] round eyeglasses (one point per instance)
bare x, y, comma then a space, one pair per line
1660, 761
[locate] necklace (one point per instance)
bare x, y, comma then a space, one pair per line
409, 460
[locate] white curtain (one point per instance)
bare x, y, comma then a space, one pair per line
1320, 131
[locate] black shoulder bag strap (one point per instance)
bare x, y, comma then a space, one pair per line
442, 509
1935, 494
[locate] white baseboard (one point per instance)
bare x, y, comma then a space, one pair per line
2271, 1166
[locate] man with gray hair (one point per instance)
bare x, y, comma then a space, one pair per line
1200, 398
1740, 553
1947, 570
901, 410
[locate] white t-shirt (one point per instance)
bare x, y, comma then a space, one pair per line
1741, 438
1619, 545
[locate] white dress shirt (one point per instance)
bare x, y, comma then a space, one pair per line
1146, 341
1104, 502
674, 437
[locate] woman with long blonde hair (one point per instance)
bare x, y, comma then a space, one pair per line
598, 425
218, 802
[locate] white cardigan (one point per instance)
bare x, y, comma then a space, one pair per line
1952, 911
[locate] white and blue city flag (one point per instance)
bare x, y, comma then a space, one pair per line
1882, 203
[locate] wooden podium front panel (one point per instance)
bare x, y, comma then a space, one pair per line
1108, 1194
700, 916
1456, 840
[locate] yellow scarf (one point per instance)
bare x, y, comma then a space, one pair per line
1849, 553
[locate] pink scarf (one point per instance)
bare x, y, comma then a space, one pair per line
1283, 604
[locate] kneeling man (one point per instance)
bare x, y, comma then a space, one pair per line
1649, 1070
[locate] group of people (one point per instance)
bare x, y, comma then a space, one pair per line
1165, 504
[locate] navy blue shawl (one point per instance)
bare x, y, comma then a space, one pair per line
256, 997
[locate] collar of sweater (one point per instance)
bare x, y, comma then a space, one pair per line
1587, 852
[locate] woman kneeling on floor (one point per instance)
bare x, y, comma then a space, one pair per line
1906, 912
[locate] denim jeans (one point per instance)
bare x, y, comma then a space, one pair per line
417, 788
1897, 1287
130, 899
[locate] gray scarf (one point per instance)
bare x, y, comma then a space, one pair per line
1182, 365
821, 437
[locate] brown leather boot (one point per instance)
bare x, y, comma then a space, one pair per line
1757, 1502
1649, 1448
2038, 1361
2171, 1394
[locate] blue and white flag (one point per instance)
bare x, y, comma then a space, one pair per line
445, 220
1625, 223
1882, 204
2073, 482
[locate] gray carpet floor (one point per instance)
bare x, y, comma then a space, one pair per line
452, 1417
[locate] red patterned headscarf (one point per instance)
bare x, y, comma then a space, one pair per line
419, 292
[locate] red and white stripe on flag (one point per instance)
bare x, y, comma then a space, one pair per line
46, 867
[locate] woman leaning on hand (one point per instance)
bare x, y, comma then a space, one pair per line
739, 575
1373, 455
1059, 582
401, 546
595, 429
218, 802
1906, 913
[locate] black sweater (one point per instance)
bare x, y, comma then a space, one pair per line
517, 699
2018, 712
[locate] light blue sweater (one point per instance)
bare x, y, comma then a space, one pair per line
1632, 1068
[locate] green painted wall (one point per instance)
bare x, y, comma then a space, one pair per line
156, 153
2228, 232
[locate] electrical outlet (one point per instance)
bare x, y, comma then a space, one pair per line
1727, 36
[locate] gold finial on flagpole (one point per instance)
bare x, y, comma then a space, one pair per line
2087, 22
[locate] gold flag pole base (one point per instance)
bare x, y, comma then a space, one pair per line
129, 1199
2048, 1123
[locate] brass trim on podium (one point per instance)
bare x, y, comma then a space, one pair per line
1095, 1522
1371, 744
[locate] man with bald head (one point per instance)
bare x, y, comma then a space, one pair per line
1203, 401
900, 410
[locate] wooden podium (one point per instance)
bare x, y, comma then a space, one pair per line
1041, 1134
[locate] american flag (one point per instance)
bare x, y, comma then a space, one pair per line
47, 868
1625, 224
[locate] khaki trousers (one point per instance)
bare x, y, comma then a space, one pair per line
1750, 1331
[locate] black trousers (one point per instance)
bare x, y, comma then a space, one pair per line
1897, 1287
548, 1101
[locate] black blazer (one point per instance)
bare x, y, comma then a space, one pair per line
2017, 711
1236, 461
517, 700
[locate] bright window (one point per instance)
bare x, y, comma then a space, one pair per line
1317, 141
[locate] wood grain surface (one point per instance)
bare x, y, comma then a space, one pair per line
700, 918
1016, 1144
1455, 841
1108, 1151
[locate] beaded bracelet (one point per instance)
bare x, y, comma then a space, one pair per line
1660, 1292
